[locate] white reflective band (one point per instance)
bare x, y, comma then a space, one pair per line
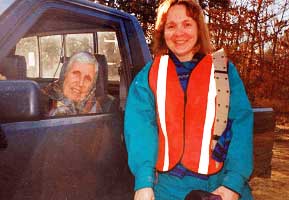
161, 102
209, 121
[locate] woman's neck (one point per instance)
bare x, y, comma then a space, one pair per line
185, 58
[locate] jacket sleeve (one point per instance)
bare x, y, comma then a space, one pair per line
140, 130
239, 163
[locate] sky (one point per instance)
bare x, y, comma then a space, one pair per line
4, 4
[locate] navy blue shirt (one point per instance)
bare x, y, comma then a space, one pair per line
184, 69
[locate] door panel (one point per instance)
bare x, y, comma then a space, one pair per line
84, 160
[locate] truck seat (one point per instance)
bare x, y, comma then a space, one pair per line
107, 101
13, 67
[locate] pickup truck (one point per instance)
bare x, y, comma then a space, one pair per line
71, 157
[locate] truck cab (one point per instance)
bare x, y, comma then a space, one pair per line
68, 157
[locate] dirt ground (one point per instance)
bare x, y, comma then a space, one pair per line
276, 187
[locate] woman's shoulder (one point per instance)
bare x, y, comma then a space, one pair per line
232, 69
142, 75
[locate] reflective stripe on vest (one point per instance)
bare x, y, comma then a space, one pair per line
185, 121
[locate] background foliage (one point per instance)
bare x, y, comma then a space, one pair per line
254, 33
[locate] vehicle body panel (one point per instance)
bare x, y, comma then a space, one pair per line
68, 158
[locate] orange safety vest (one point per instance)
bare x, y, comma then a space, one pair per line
185, 121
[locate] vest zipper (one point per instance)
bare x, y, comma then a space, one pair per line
184, 117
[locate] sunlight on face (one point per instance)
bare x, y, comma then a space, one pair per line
78, 81
181, 32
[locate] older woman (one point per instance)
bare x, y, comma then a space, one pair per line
74, 92
170, 112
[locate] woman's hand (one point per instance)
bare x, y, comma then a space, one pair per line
226, 193
144, 194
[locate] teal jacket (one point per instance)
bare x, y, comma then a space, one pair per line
141, 133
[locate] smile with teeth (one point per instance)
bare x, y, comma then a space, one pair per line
180, 41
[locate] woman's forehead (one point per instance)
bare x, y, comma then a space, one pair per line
87, 68
177, 13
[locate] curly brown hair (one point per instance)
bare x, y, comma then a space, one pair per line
193, 10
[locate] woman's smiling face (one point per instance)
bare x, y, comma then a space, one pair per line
78, 81
181, 33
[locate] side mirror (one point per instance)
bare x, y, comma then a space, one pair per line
19, 101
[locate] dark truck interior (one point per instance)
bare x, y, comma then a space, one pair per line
32, 100
14, 67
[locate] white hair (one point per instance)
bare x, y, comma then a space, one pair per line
82, 57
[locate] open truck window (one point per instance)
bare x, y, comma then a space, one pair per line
45, 55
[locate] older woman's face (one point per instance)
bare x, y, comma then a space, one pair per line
78, 81
181, 32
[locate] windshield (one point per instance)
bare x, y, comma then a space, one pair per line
4, 4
